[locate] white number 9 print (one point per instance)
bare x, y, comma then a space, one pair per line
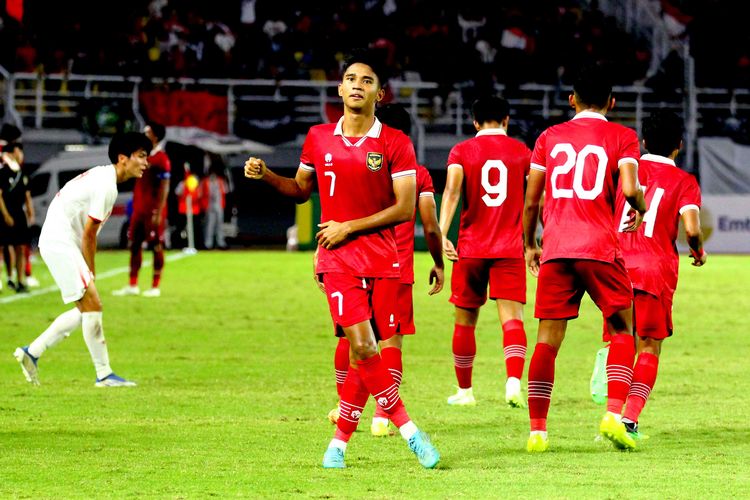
578, 161
495, 194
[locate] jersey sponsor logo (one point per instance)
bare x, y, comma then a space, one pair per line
329, 160
374, 161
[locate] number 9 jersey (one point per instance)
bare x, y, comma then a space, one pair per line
495, 167
581, 159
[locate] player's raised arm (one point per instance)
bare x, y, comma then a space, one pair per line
448, 205
434, 239
298, 188
534, 191
333, 233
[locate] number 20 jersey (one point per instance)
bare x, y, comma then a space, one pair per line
581, 159
355, 179
495, 167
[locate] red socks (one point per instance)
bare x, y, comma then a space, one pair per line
541, 380
382, 387
619, 371
158, 266
391, 358
644, 378
353, 399
136, 259
514, 347
341, 363
464, 350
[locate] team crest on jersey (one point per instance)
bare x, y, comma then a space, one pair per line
374, 161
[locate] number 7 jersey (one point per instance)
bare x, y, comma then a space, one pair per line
495, 167
581, 159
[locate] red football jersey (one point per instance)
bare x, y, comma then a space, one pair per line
581, 158
146, 189
650, 253
405, 230
495, 168
355, 178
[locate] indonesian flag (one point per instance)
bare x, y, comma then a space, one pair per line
15, 9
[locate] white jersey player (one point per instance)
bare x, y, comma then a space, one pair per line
68, 246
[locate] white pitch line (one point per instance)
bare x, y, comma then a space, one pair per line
104, 275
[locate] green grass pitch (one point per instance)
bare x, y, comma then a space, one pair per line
234, 366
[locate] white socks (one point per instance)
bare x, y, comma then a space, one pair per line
337, 443
56, 332
93, 335
408, 430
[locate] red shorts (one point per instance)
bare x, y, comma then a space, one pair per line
353, 300
141, 229
653, 315
406, 309
562, 283
470, 277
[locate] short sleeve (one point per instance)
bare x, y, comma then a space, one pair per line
101, 198
307, 158
401, 157
161, 162
424, 182
690, 195
630, 150
539, 155
454, 157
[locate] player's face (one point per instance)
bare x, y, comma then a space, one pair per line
136, 164
360, 88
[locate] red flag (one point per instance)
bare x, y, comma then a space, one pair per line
15, 9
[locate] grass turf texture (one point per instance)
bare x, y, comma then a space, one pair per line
234, 366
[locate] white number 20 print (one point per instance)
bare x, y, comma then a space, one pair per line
495, 194
577, 161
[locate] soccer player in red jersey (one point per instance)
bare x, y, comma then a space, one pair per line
148, 221
489, 171
576, 164
395, 116
366, 176
651, 254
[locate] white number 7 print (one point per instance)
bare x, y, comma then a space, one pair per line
332, 175
340, 297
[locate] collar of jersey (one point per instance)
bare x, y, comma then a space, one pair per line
491, 131
159, 147
374, 132
658, 159
590, 114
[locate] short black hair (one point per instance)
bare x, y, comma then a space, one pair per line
490, 109
10, 133
128, 143
662, 132
158, 129
371, 59
395, 116
11, 146
593, 87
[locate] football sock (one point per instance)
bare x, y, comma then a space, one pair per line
391, 357
408, 430
541, 380
380, 384
339, 443
353, 399
158, 267
619, 371
136, 258
341, 363
93, 335
56, 332
27, 253
464, 350
514, 348
644, 378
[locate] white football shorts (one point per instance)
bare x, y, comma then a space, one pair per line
69, 270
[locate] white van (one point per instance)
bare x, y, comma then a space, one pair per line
52, 175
